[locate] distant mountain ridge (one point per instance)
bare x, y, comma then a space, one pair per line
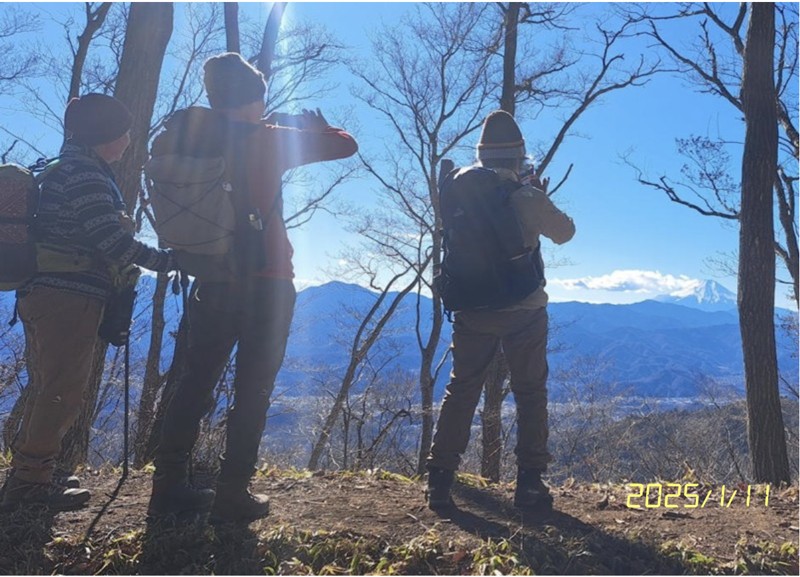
652, 348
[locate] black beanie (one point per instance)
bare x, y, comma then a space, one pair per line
500, 138
232, 82
96, 119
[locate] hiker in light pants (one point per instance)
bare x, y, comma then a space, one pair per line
81, 211
520, 329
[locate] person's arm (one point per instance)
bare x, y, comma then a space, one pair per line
94, 207
539, 215
306, 138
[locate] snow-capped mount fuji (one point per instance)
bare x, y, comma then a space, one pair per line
706, 295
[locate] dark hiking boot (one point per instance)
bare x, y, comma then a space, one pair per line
19, 493
178, 500
235, 502
531, 493
440, 482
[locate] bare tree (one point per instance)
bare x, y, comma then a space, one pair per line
95, 16
773, 77
433, 90
367, 334
715, 65
756, 298
18, 63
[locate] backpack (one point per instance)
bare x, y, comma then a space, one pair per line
21, 256
485, 263
194, 212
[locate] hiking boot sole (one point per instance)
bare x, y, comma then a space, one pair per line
541, 505
53, 507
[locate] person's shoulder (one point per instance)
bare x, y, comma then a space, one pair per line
529, 191
193, 131
76, 169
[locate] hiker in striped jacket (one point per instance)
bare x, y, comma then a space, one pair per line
82, 213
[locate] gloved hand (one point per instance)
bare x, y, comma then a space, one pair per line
314, 120
530, 178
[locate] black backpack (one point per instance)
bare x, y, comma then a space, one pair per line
485, 263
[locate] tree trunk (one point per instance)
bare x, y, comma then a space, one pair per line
232, 27
175, 374
146, 38
270, 38
152, 374
12, 422
358, 354
492, 419
508, 98
756, 298
426, 376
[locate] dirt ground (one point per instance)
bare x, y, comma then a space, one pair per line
591, 529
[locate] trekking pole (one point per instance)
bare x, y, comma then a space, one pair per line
126, 425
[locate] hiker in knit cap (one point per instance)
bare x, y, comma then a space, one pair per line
519, 328
80, 216
245, 299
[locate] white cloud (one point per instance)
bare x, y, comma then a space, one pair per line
636, 281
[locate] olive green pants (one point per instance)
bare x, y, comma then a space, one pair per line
476, 338
60, 338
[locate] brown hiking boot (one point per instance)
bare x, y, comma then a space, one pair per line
19, 493
235, 502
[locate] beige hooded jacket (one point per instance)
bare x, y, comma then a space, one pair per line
538, 216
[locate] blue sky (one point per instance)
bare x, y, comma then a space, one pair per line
631, 242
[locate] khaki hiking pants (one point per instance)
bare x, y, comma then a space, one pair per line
60, 338
476, 338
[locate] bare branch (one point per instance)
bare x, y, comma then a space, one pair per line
94, 20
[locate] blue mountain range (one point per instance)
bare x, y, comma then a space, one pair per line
662, 348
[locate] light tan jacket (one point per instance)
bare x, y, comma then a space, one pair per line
538, 216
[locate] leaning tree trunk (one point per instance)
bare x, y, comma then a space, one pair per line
174, 376
427, 382
153, 378
508, 97
756, 298
269, 39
